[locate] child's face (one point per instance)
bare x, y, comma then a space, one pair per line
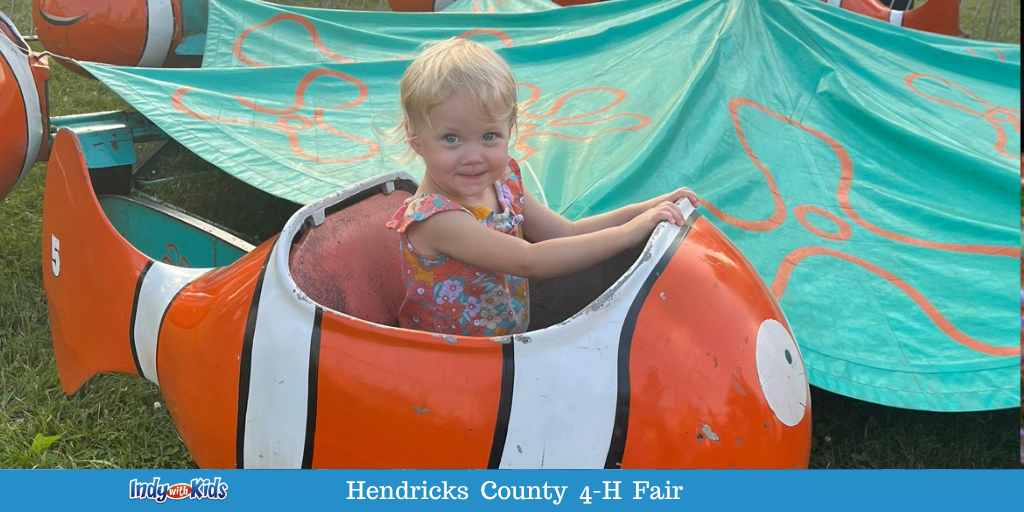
465, 150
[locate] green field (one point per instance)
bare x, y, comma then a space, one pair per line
119, 421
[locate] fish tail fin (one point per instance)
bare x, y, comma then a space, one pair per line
91, 274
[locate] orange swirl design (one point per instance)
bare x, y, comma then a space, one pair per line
843, 193
999, 53
794, 258
778, 215
314, 34
998, 117
845, 185
534, 124
506, 41
290, 122
478, 6
801, 215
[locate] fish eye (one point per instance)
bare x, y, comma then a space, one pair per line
781, 373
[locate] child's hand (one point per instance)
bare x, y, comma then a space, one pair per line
642, 225
677, 194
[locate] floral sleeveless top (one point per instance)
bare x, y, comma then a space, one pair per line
447, 296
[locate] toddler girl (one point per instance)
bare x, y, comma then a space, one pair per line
471, 236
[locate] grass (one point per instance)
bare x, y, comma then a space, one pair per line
119, 421
991, 20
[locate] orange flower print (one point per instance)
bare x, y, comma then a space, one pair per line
298, 118
305, 23
1002, 119
535, 122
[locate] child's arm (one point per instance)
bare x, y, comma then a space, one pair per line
458, 235
543, 224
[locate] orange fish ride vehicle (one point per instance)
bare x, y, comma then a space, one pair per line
670, 355
124, 32
23, 110
938, 16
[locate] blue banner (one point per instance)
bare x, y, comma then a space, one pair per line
283, 490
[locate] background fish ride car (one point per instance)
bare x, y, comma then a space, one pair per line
288, 356
23, 109
938, 16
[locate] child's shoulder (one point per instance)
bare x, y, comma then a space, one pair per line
419, 208
511, 193
513, 174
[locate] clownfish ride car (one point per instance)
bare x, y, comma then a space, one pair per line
23, 109
148, 33
671, 355
938, 16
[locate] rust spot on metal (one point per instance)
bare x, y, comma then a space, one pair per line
714, 358
706, 432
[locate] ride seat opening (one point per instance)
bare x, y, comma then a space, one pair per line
351, 262
557, 299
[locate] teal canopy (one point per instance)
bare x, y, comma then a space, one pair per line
870, 172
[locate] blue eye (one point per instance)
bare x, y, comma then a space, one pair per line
450, 139
491, 136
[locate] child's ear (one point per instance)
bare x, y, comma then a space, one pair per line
414, 142
410, 136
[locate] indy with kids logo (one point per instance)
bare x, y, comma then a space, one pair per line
194, 489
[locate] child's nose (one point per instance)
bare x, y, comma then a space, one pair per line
473, 154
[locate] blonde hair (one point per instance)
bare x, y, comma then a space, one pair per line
456, 65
